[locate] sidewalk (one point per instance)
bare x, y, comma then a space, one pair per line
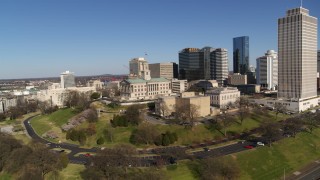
308, 172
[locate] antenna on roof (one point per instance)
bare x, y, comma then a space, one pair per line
301, 3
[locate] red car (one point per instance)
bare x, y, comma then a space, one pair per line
87, 155
248, 147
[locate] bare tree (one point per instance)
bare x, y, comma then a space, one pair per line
163, 109
270, 131
279, 108
226, 121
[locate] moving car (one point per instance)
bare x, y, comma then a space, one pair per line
248, 147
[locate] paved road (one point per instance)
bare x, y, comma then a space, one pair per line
313, 174
73, 148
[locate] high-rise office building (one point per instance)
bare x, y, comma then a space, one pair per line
190, 64
206, 63
139, 67
219, 65
67, 80
164, 70
175, 70
318, 69
267, 70
241, 54
297, 43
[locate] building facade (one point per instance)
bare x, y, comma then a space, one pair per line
206, 63
318, 67
164, 70
237, 79
140, 89
219, 65
139, 67
179, 86
166, 106
267, 70
67, 80
6, 103
223, 97
241, 54
297, 46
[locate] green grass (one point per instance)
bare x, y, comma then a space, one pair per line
61, 116
71, 172
289, 154
182, 172
5, 176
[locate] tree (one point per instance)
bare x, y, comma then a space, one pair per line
270, 131
217, 168
95, 95
144, 134
163, 109
133, 114
310, 120
112, 163
43, 159
92, 115
243, 104
187, 114
63, 160
226, 121
279, 108
2, 117
91, 129
100, 140
292, 126
243, 113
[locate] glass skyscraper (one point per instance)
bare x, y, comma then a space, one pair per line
241, 54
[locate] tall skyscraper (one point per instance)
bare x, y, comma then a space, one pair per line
67, 80
241, 54
139, 67
318, 69
206, 63
219, 65
267, 70
297, 43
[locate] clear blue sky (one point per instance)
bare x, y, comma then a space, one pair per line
41, 38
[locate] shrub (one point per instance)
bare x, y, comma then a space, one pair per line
100, 140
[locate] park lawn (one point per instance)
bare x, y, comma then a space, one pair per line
40, 124
71, 172
287, 155
23, 138
61, 116
182, 172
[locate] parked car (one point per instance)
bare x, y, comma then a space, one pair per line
248, 147
260, 143
87, 155
206, 149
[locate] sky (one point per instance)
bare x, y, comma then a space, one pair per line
42, 38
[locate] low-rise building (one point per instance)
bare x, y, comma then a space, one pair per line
95, 83
179, 86
6, 103
166, 106
237, 79
223, 97
140, 89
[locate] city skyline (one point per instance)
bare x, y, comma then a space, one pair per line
42, 39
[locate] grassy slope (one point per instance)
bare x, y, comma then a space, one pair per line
289, 154
44, 123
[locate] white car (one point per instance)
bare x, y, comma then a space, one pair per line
260, 143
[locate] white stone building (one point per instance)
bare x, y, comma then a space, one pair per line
224, 96
267, 70
140, 89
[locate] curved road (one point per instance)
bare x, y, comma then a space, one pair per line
144, 161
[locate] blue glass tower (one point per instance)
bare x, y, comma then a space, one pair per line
241, 54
